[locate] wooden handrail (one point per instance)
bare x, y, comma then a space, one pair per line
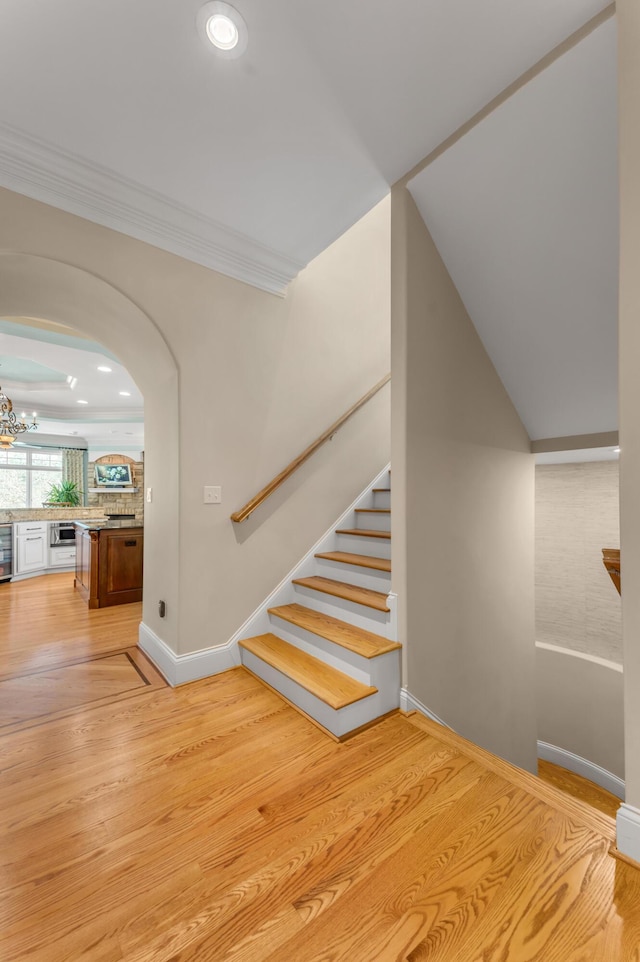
261, 496
611, 561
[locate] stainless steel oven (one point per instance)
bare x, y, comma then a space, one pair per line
62, 533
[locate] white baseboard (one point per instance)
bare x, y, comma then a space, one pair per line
409, 702
628, 831
180, 669
582, 766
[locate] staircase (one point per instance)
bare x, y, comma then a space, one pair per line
328, 644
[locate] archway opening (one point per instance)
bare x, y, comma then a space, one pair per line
33, 286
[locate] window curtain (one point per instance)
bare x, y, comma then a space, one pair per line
73, 469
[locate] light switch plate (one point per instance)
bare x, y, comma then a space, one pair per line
212, 494
149, 495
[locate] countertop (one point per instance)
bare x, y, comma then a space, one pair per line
109, 525
77, 513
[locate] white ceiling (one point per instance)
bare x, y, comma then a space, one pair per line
35, 361
578, 456
123, 114
524, 211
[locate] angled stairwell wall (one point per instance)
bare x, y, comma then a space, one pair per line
463, 505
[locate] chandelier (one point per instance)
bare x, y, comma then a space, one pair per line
10, 426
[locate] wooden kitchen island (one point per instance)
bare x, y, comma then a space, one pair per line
109, 562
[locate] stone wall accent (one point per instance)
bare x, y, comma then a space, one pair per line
118, 502
577, 515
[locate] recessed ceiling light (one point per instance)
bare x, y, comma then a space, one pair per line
222, 32
125, 393
82, 402
103, 367
224, 27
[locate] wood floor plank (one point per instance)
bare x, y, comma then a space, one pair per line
463, 845
578, 787
44, 623
164, 799
571, 806
212, 823
78, 944
556, 889
45, 692
288, 871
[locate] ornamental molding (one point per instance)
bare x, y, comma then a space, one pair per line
40, 170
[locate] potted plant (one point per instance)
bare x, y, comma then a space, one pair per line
65, 493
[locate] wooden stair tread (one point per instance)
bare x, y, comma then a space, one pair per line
340, 589
328, 684
364, 532
373, 510
381, 490
362, 642
363, 560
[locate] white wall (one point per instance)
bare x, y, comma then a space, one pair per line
463, 499
236, 383
628, 14
579, 680
580, 706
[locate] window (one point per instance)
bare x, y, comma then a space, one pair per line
26, 476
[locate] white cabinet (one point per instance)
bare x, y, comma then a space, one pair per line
62, 556
32, 546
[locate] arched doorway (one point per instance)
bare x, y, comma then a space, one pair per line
35, 286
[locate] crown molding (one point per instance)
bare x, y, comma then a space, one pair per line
88, 414
11, 385
56, 177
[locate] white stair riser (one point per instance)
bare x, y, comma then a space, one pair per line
375, 547
360, 615
354, 575
386, 673
373, 521
381, 499
337, 722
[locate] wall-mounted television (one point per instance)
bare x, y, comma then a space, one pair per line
113, 475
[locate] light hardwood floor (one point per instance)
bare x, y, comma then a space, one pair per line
212, 823
57, 656
44, 621
579, 787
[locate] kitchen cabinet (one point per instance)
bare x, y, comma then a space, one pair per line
109, 563
62, 556
31, 546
